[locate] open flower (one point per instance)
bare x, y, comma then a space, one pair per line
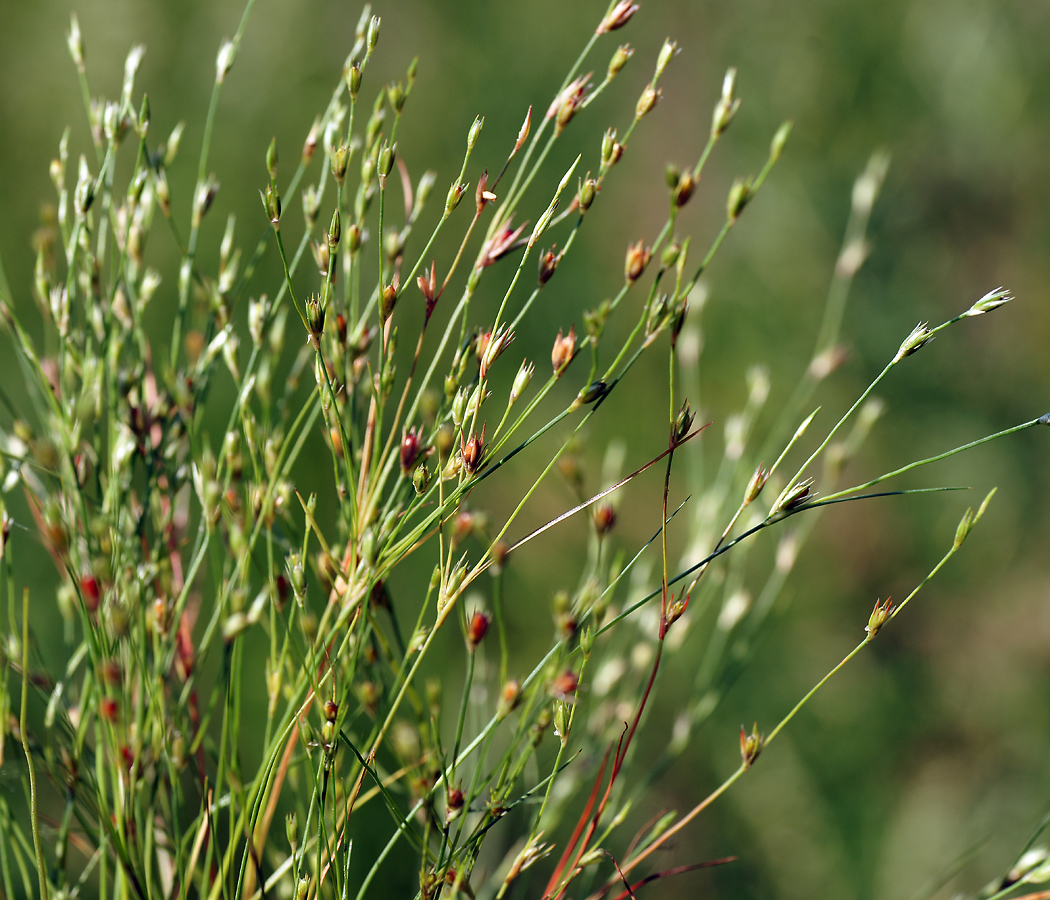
565, 105
617, 17
505, 241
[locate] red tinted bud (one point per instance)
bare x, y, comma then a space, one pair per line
604, 518
463, 527
454, 800
473, 451
683, 190
548, 265
387, 301
564, 348
411, 447
107, 708
638, 256
428, 286
565, 685
477, 628
509, 697
89, 590
499, 557
111, 673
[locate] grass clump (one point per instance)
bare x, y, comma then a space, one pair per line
245, 678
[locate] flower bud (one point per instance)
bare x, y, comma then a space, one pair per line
473, 451
564, 348
881, 614
521, 381
291, 830
373, 33
224, 60
587, 642
509, 697
395, 94
335, 230
669, 255
617, 17
452, 587
587, 190
353, 237
385, 162
340, 161
174, 140
322, 254
594, 391
683, 190
454, 801
421, 479
969, 519
647, 101
455, 194
90, 592
750, 745
475, 131
352, 74
562, 715
668, 50
566, 104
311, 205
991, 300
638, 256
776, 146
75, 42
459, 406
315, 314
387, 301
411, 447
496, 344
477, 628
564, 685
619, 60
612, 149
755, 485
683, 422
726, 107
548, 265
919, 337
271, 159
792, 497
272, 205
604, 517
142, 124
739, 195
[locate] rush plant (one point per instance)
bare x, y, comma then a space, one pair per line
194, 574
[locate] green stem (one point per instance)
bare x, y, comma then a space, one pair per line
24, 734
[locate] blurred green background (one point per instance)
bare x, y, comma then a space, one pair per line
935, 742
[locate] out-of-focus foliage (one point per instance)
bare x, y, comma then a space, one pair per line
937, 742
